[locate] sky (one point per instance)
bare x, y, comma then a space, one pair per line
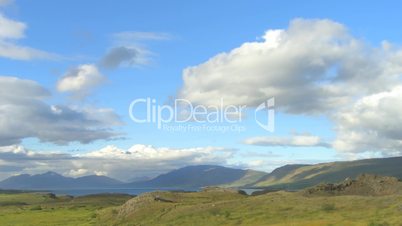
70, 70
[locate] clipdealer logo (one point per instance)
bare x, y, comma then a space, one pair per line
181, 111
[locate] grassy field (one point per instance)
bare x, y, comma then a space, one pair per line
44, 209
200, 208
279, 208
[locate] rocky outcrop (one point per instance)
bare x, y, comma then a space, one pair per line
365, 184
144, 200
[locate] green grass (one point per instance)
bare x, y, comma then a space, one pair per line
44, 209
211, 208
279, 208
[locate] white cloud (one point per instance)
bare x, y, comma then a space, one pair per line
13, 87
81, 80
313, 67
372, 124
148, 152
77, 172
25, 114
10, 32
292, 141
137, 161
11, 29
100, 173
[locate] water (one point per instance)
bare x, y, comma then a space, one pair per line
130, 191
250, 191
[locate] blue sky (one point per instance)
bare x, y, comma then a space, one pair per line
187, 34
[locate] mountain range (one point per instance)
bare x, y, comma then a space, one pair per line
201, 176
186, 177
294, 177
290, 177
52, 180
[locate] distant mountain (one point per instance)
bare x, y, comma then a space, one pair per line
279, 173
187, 177
141, 178
201, 176
52, 180
97, 181
250, 176
302, 176
291, 177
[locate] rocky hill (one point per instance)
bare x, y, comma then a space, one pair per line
365, 184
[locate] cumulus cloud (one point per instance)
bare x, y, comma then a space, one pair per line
81, 80
148, 152
372, 124
292, 141
77, 172
137, 161
312, 67
11, 29
25, 114
10, 32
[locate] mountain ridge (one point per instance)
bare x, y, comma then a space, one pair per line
287, 177
309, 175
53, 180
199, 176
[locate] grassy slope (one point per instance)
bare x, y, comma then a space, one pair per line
306, 176
41, 209
279, 208
250, 177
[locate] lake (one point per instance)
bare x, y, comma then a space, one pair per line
131, 191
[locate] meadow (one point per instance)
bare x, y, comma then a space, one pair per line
200, 208
47, 209
277, 208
